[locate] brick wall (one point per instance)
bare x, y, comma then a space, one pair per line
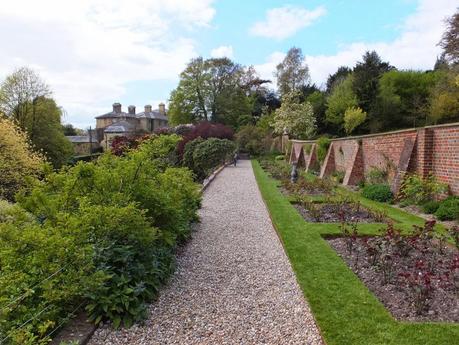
433, 149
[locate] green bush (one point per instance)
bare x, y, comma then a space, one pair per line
417, 190
448, 209
279, 158
253, 140
377, 176
112, 223
430, 207
377, 192
210, 154
323, 143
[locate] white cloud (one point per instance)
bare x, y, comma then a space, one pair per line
222, 51
283, 22
415, 48
87, 51
266, 70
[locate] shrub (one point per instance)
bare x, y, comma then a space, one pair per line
190, 146
210, 154
279, 158
205, 130
323, 143
377, 176
18, 162
417, 190
253, 140
113, 224
430, 207
448, 209
377, 192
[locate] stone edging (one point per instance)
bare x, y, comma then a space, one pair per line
211, 177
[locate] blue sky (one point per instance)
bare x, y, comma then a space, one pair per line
96, 52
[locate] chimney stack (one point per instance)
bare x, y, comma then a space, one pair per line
131, 109
117, 108
162, 108
148, 108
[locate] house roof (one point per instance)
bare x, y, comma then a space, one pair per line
81, 139
119, 127
113, 114
155, 114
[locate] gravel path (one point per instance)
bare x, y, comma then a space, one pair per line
233, 284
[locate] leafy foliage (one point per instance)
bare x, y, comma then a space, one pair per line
378, 192
323, 143
25, 98
211, 153
417, 190
113, 224
292, 73
253, 139
19, 163
448, 209
341, 98
353, 117
296, 118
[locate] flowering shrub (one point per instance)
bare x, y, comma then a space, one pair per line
19, 163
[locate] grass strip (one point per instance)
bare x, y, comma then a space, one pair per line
346, 311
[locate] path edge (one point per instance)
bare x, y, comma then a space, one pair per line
276, 230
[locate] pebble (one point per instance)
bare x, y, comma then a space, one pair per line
233, 283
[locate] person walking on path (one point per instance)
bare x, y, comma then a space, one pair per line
235, 156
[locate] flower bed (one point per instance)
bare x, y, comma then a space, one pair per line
415, 277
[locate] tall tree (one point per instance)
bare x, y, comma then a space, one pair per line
18, 92
292, 73
341, 98
450, 39
403, 100
337, 77
25, 98
215, 90
366, 77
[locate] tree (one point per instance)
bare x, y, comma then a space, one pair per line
18, 161
337, 77
213, 90
403, 100
318, 100
292, 73
24, 97
353, 117
366, 77
295, 118
341, 98
444, 101
18, 92
69, 129
450, 39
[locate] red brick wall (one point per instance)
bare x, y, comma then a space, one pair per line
445, 156
436, 151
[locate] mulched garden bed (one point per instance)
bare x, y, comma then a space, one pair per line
424, 284
335, 213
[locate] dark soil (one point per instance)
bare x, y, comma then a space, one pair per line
333, 213
397, 295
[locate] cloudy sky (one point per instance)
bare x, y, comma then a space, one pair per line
96, 52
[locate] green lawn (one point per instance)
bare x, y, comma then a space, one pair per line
346, 311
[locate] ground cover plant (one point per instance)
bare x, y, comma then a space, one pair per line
345, 310
100, 234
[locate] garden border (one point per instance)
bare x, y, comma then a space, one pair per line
345, 310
